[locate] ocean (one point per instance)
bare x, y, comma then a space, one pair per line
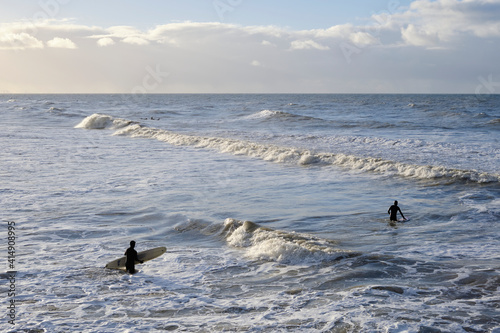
273, 209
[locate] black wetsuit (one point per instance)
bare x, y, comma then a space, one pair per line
131, 259
393, 210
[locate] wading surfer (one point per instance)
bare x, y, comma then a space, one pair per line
393, 210
131, 254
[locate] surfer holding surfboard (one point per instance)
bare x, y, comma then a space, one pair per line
133, 258
131, 254
393, 210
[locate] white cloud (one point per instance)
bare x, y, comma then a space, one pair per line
122, 31
135, 40
307, 45
335, 32
106, 41
419, 37
62, 43
429, 23
363, 39
19, 41
391, 52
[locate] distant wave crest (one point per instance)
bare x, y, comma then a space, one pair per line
279, 154
265, 114
276, 114
102, 121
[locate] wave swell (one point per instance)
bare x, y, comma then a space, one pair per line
273, 114
102, 121
274, 153
262, 243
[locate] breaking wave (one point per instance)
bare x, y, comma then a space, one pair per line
262, 243
279, 154
101, 121
274, 114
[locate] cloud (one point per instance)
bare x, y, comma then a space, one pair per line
307, 45
106, 41
135, 40
362, 38
419, 37
426, 47
123, 31
428, 23
62, 43
19, 41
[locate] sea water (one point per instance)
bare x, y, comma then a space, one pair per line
273, 209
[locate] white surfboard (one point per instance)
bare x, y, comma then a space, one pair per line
143, 256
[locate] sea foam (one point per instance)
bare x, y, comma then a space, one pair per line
261, 243
280, 154
101, 121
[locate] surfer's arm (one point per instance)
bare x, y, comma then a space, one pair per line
402, 214
137, 259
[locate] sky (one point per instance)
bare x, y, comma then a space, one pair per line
250, 46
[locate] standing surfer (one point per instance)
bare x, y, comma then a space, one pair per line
393, 210
131, 254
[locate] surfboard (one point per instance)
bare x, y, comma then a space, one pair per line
395, 223
143, 255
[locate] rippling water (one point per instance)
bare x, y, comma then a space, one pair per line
273, 209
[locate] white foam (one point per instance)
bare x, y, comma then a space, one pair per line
267, 244
265, 114
279, 154
101, 121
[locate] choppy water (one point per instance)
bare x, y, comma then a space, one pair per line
273, 209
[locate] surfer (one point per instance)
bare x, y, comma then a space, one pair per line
131, 254
393, 210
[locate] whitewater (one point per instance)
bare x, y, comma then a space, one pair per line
273, 209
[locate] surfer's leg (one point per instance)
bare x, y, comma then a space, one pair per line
130, 268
